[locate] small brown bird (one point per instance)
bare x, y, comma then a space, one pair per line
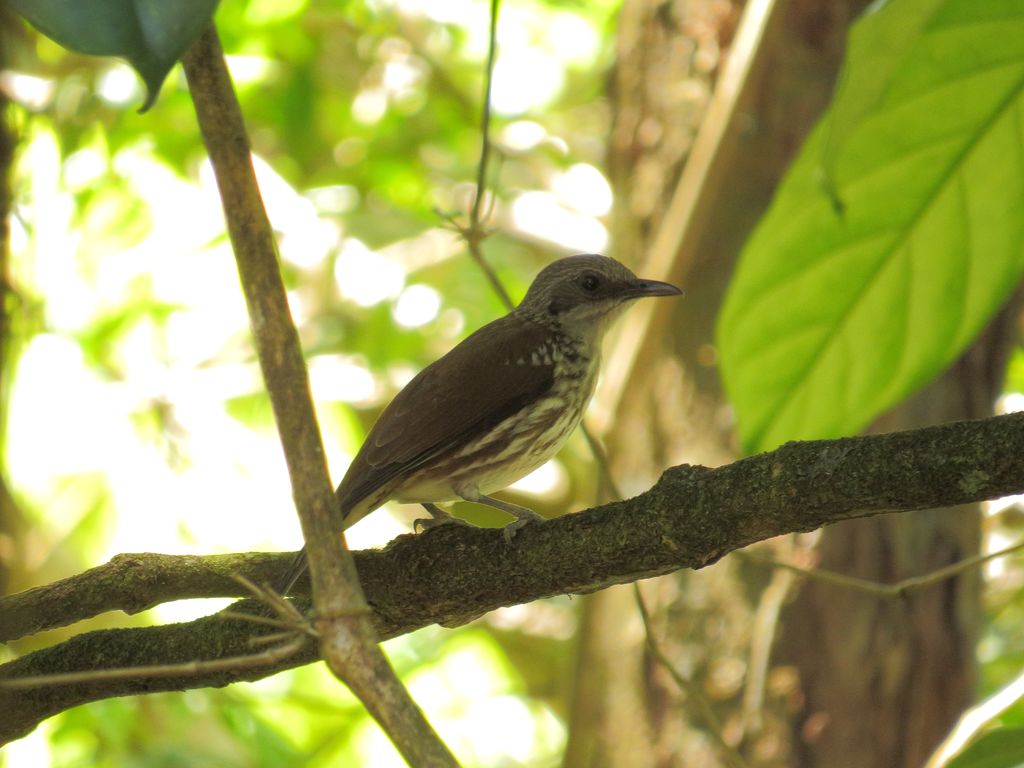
498, 405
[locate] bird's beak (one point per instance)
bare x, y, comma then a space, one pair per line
650, 288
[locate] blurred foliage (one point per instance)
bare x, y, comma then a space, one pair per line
133, 342
308, 718
137, 417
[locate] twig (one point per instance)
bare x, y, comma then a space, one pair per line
485, 119
285, 610
288, 616
888, 591
597, 450
267, 621
474, 233
347, 638
694, 696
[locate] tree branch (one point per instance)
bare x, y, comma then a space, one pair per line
347, 641
131, 583
690, 518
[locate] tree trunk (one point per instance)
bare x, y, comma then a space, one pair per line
883, 681
706, 620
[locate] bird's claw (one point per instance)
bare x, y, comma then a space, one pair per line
436, 521
510, 530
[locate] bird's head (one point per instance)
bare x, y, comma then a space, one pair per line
584, 293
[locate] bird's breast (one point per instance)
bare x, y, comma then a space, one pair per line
524, 441
520, 443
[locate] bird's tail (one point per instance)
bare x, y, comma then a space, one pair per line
299, 563
295, 570
350, 515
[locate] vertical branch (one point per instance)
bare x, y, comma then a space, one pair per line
274, 334
485, 116
475, 233
347, 640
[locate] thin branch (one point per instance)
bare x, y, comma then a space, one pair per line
485, 118
874, 588
694, 696
288, 616
765, 625
474, 233
286, 611
274, 334
342, 621
273, 637
186, 647
603, 466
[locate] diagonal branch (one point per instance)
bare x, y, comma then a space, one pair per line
690, 518
341, 616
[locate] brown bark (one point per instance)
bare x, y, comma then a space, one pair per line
691, 517
883, 682
704, 618
607, 693
667, 55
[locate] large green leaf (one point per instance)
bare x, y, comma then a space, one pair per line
897, 232
999, 748
151, 34
878, 46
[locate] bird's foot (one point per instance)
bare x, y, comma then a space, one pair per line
438, 517
521, 521
524, 517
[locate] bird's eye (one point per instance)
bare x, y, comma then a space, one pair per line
589, 282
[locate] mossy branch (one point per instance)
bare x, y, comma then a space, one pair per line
691, 517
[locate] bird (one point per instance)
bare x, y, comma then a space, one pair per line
495, 407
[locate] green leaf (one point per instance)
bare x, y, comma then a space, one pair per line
151, 34
837, 312
1015, 372
879, 44
999, 748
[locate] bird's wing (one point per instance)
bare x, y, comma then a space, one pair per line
485, 379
